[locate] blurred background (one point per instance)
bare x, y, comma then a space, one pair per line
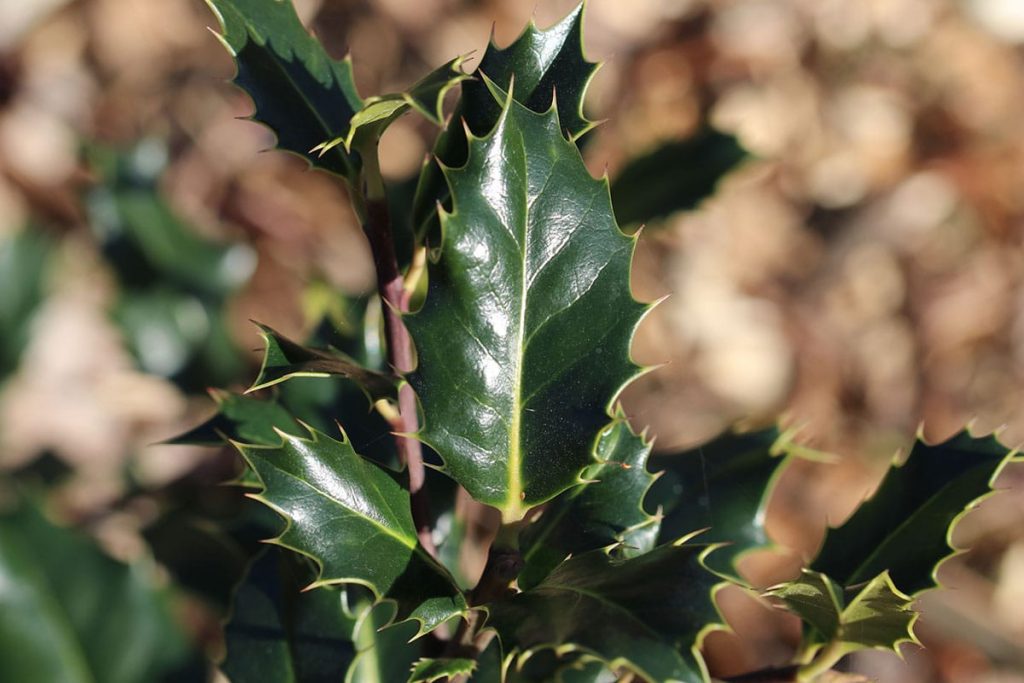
832, 194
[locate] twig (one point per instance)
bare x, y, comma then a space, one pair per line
377, 226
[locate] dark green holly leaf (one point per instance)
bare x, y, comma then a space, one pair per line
279, 633
548, 67
905, 527
606, 511
528, 299
67, 610
648, 613
353, 518
875, 616
677, 176
723, 487
425, 97
241, 418
430, 670
284, 359
300, 92
386, 652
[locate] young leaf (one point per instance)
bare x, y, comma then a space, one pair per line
430, 670
722, 486
425, 97
284, 359
278, 633
905, 528
549, 69
605, 511
352, 517
241, 418
300, 92
648, 613
878, 616
524, 337
67, 610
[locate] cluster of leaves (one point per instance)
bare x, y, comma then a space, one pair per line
608, 558
522, 338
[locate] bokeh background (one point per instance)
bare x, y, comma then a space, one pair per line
833, 199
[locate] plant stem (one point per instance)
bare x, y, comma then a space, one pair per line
395, 301
824, 661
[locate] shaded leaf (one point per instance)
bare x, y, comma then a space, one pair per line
300, 92
905, 527
241, 418
284, 359
595, 515
385, 652
674, 177
278, 633
648, 613
67, 610
530, 293
722, 486
542, 63
877, 615
430, 670
353, 518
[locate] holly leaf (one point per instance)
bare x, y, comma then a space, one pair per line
723, 487
529, 295
67, 610
425, 97
875, 616
284, 359
279, 633
648, 613
303, 95
429, 670
677, 176
387, 651
905, 528
543, 64
240, 418
352, 517
606, 511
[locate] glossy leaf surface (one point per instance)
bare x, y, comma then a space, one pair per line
352, 517
529, 295
386, 651
905, 527
67, 610
278, 633
605, 511
877, 615
547, 66
300, 92
648, 613
284, 359
722, 486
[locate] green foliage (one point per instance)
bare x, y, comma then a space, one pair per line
352, 518
67, 610
24, 257
522, 345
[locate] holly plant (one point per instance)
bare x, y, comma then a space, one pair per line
484, 375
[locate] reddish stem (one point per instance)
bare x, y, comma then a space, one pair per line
391, 287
